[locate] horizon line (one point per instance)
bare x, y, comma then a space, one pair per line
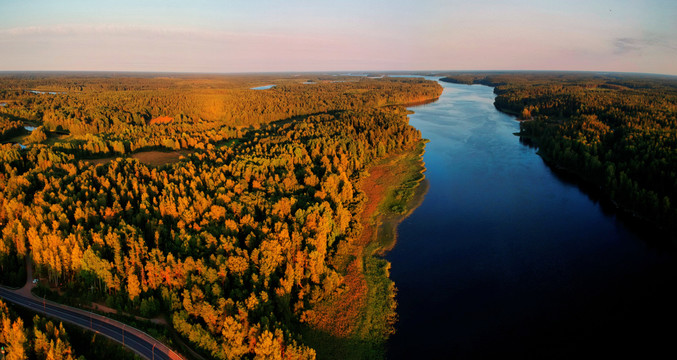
340, 72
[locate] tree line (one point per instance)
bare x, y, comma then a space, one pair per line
618, 132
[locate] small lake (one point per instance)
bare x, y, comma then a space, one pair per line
38, 92
264, 87
506, 259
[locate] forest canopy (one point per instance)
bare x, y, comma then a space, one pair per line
238, 239
616, 131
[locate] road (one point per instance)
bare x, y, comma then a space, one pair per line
132, 338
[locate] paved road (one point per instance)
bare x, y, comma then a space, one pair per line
136, 340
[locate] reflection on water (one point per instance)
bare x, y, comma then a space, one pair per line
44, 92
265, 87
506, 258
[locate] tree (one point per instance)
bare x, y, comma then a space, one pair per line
525, 114
12, 334
37, 136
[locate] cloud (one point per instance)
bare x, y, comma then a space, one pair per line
140, 31
628, 45
158, 48
112, 30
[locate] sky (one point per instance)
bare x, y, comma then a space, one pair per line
347, 35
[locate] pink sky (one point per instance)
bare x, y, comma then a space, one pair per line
239, 36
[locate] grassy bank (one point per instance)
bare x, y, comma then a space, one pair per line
356, 324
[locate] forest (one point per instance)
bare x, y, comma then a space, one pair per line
615, 131
47, 340
40, 338
236, 243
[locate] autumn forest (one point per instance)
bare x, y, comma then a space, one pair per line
248, 223
240, 238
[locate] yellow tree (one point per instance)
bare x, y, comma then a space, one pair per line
12, 334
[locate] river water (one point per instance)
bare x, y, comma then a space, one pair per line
506, 258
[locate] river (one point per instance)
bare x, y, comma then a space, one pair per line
505, 258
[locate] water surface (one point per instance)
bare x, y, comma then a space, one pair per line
504, 258
264, 87
43, 92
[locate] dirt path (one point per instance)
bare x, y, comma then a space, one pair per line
29, 285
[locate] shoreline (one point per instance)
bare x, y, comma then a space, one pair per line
389, 224
358, 322
575, 176
386, 228
584, 183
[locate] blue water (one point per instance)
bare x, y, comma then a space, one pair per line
43, 92
504, 258
265, 87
